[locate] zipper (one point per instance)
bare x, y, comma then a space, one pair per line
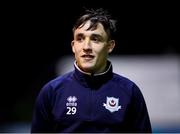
91, 114
90, 107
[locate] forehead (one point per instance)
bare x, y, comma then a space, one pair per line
99, 30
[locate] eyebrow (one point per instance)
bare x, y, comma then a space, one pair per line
96, 35
79, 35
93, 35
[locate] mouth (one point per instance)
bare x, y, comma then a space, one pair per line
87, 57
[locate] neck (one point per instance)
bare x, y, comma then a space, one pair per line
103, 70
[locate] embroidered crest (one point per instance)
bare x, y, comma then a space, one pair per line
112, 104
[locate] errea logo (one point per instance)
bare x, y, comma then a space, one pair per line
71, 105
72, 99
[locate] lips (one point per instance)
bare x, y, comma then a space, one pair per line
87, 56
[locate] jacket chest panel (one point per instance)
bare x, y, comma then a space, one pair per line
84, 104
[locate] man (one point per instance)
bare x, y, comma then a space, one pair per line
91, 98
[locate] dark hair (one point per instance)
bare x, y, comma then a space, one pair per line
97, 16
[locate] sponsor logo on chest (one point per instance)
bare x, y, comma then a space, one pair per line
71, 105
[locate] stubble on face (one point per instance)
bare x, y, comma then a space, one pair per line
90, 48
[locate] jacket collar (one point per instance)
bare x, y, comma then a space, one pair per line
94, 81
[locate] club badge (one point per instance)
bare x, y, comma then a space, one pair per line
112, 104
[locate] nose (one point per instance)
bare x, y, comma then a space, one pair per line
87, 44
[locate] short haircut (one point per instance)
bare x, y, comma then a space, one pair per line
97, 16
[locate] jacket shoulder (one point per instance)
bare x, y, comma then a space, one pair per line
126, 84
57, 83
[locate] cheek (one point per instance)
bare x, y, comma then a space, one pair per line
76, 49
101, 51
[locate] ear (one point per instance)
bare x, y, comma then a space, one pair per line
72, 46
111, 46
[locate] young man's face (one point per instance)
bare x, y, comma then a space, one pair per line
91, 48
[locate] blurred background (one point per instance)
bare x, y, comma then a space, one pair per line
36, 48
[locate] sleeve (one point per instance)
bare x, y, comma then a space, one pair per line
42, 119
139, 114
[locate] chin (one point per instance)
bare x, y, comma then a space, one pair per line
87, 68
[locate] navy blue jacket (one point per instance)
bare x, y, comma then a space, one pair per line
77, 102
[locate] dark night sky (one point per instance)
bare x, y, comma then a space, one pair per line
35, 35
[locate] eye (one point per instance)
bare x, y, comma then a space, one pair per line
95, 39
79, 39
